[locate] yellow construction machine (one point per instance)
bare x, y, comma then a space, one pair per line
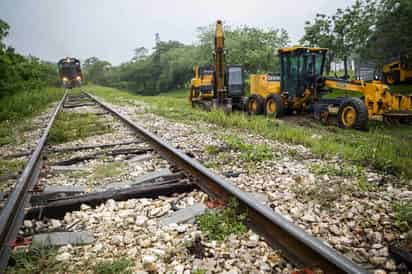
227, 87
399, 71
302, 88
262, 86
201, 86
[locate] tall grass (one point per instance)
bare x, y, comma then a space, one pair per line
26, 103
386, 149
14, 109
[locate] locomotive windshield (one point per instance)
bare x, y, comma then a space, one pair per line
69, 70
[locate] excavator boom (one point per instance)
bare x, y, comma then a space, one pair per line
219, 56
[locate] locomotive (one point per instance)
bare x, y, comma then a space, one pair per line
70, 72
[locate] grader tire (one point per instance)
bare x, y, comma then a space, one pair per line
353, 114
274, 106
255, 104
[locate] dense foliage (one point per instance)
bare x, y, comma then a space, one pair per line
19, 73
373, 30
170, 64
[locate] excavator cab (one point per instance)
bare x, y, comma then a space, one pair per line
235, 81
301, 68
206, 79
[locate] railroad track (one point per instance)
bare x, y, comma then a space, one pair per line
300, 248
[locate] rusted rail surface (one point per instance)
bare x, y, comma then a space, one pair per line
296, 244
12, 214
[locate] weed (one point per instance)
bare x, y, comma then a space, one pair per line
35, 260
79, 174
249, 152
199, 271
403, 214
336, 170
70, 126
24, 104
364, 185
6, 133
10, 166
19, 106
292, 152
108, 170
211, 164
323, 193
220, 224
122, 265
211, 149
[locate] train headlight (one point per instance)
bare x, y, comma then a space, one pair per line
78, 78
65, 79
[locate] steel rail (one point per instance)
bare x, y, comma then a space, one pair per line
298, 246
12, 214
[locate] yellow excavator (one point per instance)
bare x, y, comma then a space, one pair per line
302, 87
201, 86
399, 71
226, 86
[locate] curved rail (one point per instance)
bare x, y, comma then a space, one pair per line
12, 214
297, 245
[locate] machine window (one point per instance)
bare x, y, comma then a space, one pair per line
235, 76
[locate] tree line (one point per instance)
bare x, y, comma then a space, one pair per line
170, 64
369, 30
20, 73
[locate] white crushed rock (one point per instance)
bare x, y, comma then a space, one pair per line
358, 223
131, 229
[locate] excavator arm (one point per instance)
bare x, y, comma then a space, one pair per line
219, 59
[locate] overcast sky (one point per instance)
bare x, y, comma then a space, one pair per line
110, 30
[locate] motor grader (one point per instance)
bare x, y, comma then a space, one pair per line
302, 88
220, 84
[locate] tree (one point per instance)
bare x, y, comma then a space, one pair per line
372, 30
139, 54
20, 73
4, 31
170, 64
392, 34
95, 70
319, 33
254, 48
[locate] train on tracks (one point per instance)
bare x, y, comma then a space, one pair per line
70, 72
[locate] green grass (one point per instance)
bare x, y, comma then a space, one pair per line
35, 260
71, 126
199, 271
403, 214
121, 266
16, 108
107, 170
386, 149
10, 166
249, 152
217, 225
337, 170
365, 186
